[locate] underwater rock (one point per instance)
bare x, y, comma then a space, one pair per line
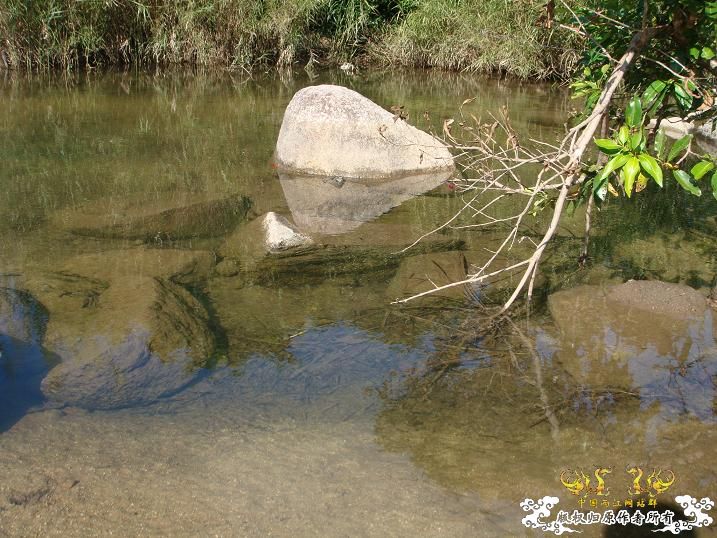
334, 131
182, 266
320, 206
178, 215
122, 343
23, 360
637, 337
21, 316
228, 268
673, 301
428, 271
316, 263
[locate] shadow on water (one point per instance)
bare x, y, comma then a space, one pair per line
23, 365
23, 361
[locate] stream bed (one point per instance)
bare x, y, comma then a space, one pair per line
160, 377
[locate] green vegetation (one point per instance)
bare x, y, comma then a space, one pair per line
488, 36
673, 75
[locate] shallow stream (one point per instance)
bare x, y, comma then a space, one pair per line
292, 398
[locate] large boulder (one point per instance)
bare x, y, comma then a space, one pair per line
334, 131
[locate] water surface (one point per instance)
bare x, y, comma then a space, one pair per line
290, 397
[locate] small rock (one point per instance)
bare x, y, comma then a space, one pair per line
280, 234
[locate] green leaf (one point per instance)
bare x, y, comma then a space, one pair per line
683, 98
707, 53
683, 178
633, 113
660, 146
701, 168
601, 193
623, 135
679, 146
651, 167
714, 185
571, 208
592, 100
711, 10
631, 169
641, 183
636, 140
608, 146
613, 164
652, 93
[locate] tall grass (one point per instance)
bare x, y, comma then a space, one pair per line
479, 36
476, 35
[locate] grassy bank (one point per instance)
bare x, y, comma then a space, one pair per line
473, 35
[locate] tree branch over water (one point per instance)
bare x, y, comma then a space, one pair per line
498, 156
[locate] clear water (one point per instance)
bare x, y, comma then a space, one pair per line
293, 398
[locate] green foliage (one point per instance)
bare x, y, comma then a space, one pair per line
70, 33
671, 77
479, 36
491, 35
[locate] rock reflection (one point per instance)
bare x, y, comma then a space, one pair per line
331, 206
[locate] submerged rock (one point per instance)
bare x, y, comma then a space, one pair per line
334, 131
228, 268
23, 360
21, 316
119, 323
251, 242
428, 271
672, 301
649, 337
172, 217
140, 339
183, 266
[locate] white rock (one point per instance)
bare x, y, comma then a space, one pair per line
673, 127
279, 234
331, 130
